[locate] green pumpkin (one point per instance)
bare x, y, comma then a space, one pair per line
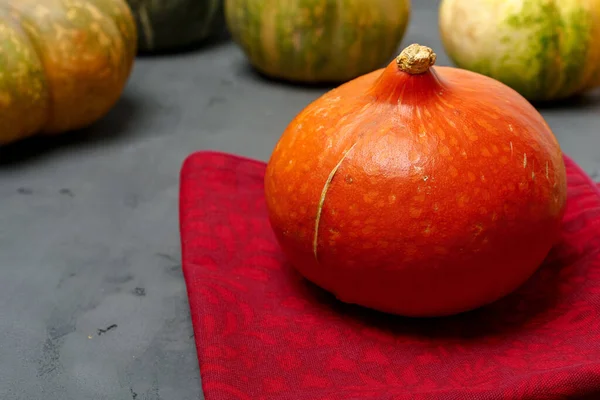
317, 40
165, 25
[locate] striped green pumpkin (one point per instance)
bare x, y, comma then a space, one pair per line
544, 49
165, 25
317, 40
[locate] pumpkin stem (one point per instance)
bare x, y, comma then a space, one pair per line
416, 59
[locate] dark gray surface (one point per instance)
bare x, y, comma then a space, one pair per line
85, 221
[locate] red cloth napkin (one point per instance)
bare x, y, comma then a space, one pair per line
264, 333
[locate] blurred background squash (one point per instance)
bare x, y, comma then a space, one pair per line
63, 64
166, 25
317, 40
545, 50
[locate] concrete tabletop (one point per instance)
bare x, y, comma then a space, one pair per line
92, 299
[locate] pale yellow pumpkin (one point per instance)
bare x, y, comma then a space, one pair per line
544, 49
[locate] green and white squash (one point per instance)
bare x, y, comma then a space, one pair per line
317, 40
166, 25
544, 49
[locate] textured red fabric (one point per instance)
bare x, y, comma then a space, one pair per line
264, 333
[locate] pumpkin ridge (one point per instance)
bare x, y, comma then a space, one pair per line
146, 26
44, 72
22, 86
577, 44
324, 195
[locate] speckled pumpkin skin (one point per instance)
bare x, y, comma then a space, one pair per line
545, 49
165, 25
63, 63
420, 195
317, 40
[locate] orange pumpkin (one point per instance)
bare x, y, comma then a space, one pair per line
417, 190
